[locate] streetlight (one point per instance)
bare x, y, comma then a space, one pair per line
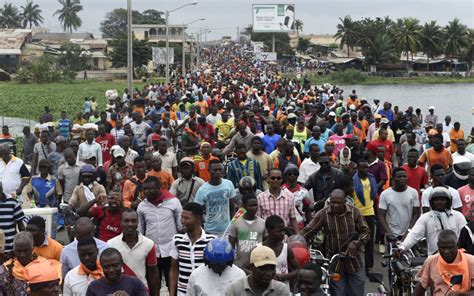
167, 69
183, 68
129, 49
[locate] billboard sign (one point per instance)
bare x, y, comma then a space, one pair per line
257, 46
274, 18
159, 55
266, 56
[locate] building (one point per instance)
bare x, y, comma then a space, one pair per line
155, 33
12, 43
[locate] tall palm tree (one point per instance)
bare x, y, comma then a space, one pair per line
456, 36
298, 27
31, 14
67, 15
408, 35
431, 41
381, 51
9, 16
347, 32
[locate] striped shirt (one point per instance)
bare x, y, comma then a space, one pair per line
190, 256
10, 214
282, 205
338, 228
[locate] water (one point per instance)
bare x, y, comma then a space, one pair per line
456, 99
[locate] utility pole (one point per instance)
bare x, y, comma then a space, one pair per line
129, 49
167, 63
238, 35
183, 68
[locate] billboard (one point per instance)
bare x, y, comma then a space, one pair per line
266, 56
275, 18
159, 55
257, 46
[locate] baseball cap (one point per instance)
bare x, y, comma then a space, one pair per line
300, 119
377, 116
155, 137
262, 255
89, 156
167, 104
266, 108
431, 108
384, 120
290, 108
186, 160
119, 152
332, 113
291, 115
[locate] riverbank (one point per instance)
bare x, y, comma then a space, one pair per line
336, 79
28, 100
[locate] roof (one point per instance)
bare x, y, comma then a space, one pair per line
11, 40
342, 60
61, 37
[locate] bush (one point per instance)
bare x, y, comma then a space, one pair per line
22, 75
54, 76
349, 76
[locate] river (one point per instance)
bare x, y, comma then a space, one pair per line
455, 99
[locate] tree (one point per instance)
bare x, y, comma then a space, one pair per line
31, 14
456, 37
72, 60
408, 35
303, 44
9, 16
141, 51
115, 22
347, 32
68, 14
298, 27
382, 51
431, 41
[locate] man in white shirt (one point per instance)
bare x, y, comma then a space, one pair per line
217, 273
77, 280
430, 224
309, 165
90, 147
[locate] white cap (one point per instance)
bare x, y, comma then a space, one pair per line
332, 113
431, 108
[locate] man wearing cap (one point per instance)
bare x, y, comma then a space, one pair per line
186, 186
260, 282
384, 124
431, 118
120, 171
430, 224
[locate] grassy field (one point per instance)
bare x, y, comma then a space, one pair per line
28, 100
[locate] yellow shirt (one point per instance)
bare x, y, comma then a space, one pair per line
390, 135
368, 209
224, 128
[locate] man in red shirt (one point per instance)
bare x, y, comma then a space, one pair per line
107, 219
417, 178
206, 131
382, 141
106, 141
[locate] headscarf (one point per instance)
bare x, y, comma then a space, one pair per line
344, 160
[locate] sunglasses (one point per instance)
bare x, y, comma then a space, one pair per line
275, 178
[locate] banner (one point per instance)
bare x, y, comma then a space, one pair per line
266, 56
257, 46
276, 18
159, 55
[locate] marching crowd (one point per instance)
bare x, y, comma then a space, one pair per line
200, 184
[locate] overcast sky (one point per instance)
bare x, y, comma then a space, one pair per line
224, 16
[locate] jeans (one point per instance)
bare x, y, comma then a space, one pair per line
351, 284
369, 246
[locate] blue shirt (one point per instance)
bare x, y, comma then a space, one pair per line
44, 191
64, 126
87, 106
321, 142
388, 114
270, 142
216, 201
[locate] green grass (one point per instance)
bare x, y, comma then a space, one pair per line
28, 100
352, 78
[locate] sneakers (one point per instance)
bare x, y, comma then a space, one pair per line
382, 249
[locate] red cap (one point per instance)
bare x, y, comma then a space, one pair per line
155, 137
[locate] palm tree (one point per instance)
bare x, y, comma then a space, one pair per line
408, 35
31, 14
431, 41
456, 36
9, 16
298, 27
347, 32
67, 15
381, 51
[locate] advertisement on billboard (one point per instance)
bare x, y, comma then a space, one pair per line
274, 18
266, 56
257, 46
159, 55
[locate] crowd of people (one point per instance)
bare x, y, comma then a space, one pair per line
197, 185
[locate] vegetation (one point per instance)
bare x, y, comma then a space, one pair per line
9, 16
298, 28
67, 15
115, 22
71, 60
282, 40
31, 15
28, 101
374, 37
141, 51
